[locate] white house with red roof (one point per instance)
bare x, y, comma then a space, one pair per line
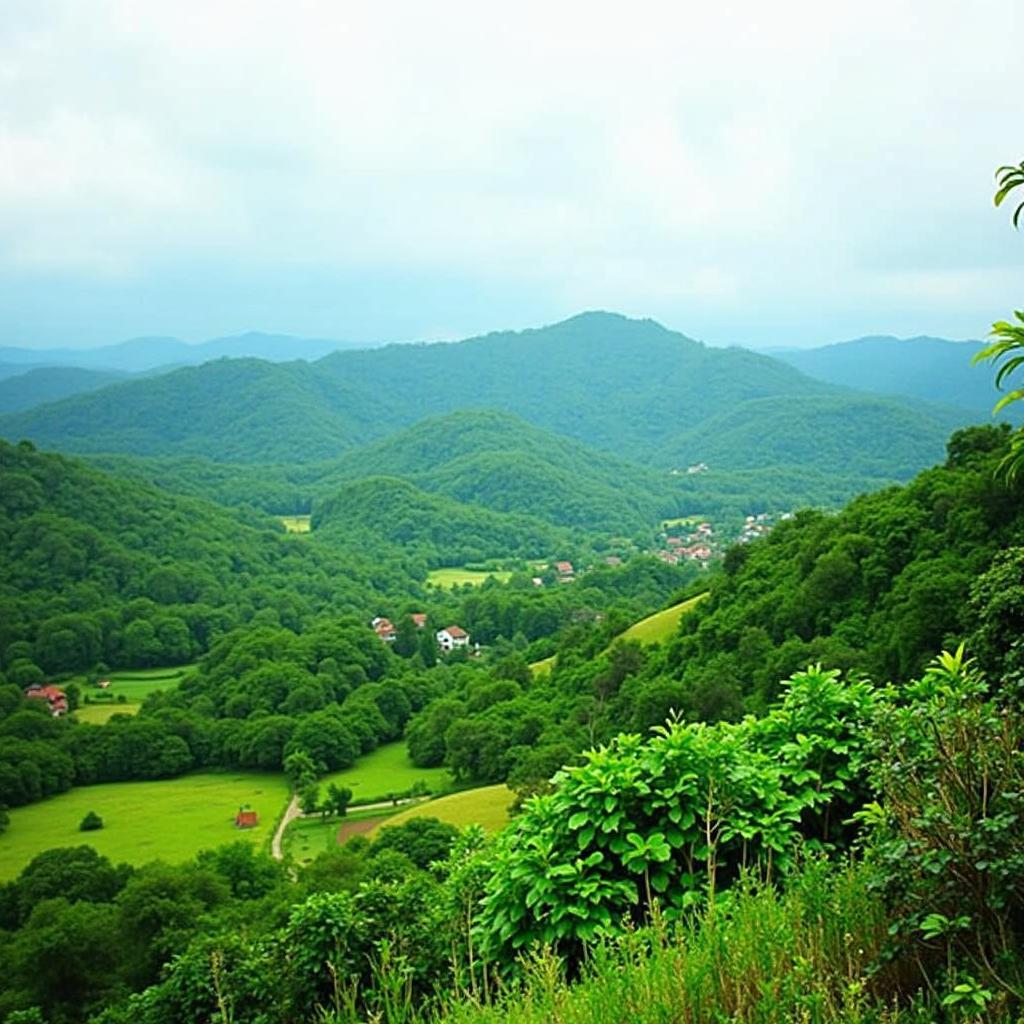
451, 638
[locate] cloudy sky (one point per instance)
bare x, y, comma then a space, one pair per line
749, 172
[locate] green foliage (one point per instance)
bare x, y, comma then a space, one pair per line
92, 822
1008, 179
948, 832
671, 818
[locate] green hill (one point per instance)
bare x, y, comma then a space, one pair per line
387, 511
629, 387
49, 384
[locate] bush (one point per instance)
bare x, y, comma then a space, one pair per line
92, 822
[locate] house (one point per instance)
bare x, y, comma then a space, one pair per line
104, 684
384, 629
537, 581
674, 542
246, 819
57, 700
451, 638
420, 619
564, 568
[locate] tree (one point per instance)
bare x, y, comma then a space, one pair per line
1007, 346
337, 800
92, 822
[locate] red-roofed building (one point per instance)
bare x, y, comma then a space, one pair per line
246, 819
56, 699
420, 619
452, 637
564, 568
384, 629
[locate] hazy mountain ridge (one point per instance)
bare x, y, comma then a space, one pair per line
148, 353
932, 369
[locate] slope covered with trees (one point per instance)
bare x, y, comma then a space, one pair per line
628, 387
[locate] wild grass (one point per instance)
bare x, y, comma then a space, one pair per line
661, 625
169, 819
759, 957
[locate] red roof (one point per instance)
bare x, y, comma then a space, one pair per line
246, 819
420, 618
456, 632
51, 693
563, 566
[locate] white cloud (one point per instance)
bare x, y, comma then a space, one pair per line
684, 155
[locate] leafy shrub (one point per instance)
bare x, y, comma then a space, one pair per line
92, 822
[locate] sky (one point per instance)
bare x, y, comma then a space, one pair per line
754, 173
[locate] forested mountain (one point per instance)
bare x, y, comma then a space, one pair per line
385, 510
932, 369
624, 386
98, 569
38, 386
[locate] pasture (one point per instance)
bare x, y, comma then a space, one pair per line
385, 772
445, 579
667, 524
487, 807
661, 625
544, 665
295, 524
306, 838
169, 819
132, 684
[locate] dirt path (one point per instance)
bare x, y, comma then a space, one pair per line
293, 812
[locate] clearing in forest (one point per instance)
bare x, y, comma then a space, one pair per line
652, 630
132, 684
169, 819
386, 772
295, 524
661, 625
445, 579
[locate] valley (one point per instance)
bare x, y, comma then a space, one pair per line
639, 643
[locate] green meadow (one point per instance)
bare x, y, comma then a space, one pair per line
661, 625
295, 524
169, 819
667, 524
132, 684
308, 837
652, 630
385, 772
487, 807
445, 579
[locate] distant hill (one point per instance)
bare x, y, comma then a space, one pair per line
628, 387
932, 369
860, 434
48, 384
384, 510
500, 461
149, 353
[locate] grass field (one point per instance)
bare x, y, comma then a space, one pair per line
487, 806
167, 820
306, 838
544, 665
445, 579
132, 684
387, 771
667, 524
652, 630
660, 625
295, 524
